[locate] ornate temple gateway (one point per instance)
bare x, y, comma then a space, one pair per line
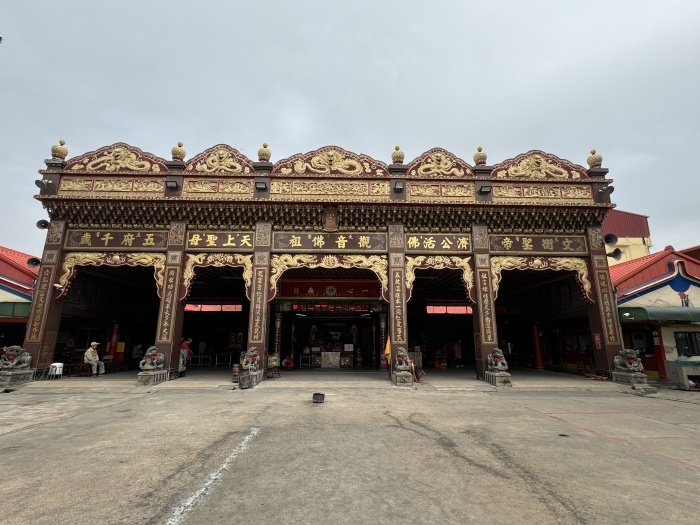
320, 257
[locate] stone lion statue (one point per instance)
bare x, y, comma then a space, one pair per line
15, 357
628, 361
402, 363
251, 359
152, 359
497, 361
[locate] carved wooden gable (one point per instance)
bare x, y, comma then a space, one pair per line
220, 160
540, 166
117, 158
439, 164
330, 161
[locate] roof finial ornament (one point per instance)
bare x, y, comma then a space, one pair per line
264, 153
397, 155
59, 151
594, 159
179, 152
480, 157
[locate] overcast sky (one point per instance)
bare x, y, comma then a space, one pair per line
559, 76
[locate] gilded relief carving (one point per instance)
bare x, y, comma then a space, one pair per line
457, 190
112, 185
376, 263
439, 262
117, 159
330, 161
283, 187
218, 260
438, 163
576, 192
303, 187
535, 165
424, 190
71, 260
200, 186
542, 192
76, 185
379, 188
513, 192
237, 187
499, 264
148, 185
219, 161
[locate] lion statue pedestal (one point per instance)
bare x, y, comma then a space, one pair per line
401, 373
251, 375
496, 375
151, 366
628, 370
15, 366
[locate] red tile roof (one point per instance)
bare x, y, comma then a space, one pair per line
626, 224
646, 269
18, 260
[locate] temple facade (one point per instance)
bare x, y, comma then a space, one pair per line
322, 257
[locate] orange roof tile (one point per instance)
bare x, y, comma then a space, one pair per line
18, 260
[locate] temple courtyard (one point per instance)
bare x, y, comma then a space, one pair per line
553, 449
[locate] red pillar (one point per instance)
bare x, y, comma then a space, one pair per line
539, 365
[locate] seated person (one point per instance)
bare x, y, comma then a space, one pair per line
288, 363
93, 359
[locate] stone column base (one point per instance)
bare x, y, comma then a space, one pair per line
497, 378
402, 379
636, 380
152, 377
248, 379
15, 377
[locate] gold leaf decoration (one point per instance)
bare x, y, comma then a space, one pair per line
116, 159
221, 160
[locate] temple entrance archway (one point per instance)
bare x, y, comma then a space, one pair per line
545, 311
114, 306
330, 318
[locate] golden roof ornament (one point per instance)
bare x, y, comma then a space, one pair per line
397, 155
179, 152
480, 157
59, 151
594, 159
264, 153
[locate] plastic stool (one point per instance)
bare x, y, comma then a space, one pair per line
55, 371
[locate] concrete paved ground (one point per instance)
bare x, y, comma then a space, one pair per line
554, 449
